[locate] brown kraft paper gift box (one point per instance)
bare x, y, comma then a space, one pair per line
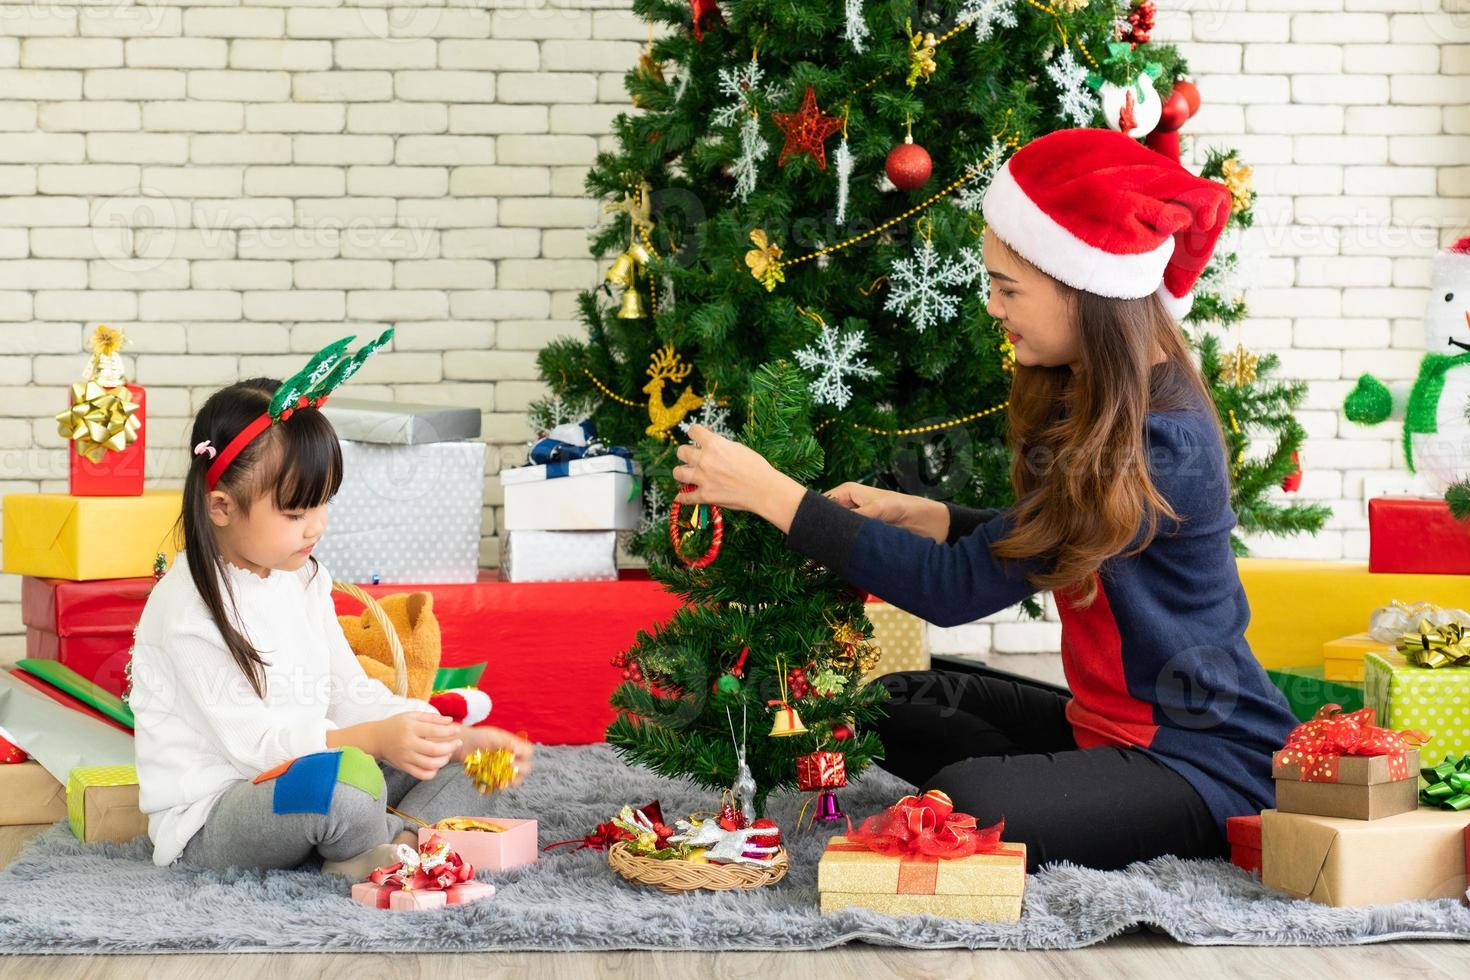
1343, 862
29, 795
1363, 789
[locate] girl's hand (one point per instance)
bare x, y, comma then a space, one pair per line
417, 742
918, 514
488, 737
728, 474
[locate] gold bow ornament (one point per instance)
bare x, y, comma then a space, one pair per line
103, 417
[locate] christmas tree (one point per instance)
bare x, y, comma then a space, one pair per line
796, 235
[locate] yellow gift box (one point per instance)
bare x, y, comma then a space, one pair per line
901, 637
102, 804
1342, 658
1297, 606
56, 535
980, 888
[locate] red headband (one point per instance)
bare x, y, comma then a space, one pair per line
237, 445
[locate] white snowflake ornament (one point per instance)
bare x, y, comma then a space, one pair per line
971, 194
919, 285
835, 356
987, 15
1078, 104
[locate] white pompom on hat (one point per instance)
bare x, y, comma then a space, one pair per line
1105, 214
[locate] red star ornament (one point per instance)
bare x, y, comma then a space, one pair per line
806, 130
700, 10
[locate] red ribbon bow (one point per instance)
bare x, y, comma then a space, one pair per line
927, 826
434, 867
1316, 745
608, 833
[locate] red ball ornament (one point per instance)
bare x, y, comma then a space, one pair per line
1175, 112
842, 732
909, 165
1190, 93
1292, 482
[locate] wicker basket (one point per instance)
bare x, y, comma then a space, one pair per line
686, 876
381, 621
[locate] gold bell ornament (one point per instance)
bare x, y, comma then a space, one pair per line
787, 721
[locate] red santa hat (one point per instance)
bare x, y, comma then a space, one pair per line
1105, 214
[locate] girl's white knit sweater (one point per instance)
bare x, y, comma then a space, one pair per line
200, 727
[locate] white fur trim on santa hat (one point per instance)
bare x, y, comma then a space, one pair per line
1178, 306
1038, 238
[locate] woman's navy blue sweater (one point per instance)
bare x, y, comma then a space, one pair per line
1158, 662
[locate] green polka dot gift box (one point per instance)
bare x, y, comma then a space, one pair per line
1436, 701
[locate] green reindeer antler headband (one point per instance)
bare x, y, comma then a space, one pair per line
328, 369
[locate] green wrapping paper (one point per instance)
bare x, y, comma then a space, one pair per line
1306, 690
1436, 702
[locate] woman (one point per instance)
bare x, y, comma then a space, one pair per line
1093, 244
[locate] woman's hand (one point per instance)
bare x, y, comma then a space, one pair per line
918, 514
488, 737
416, 742
726, 474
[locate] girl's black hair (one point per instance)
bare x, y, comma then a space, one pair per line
298, 462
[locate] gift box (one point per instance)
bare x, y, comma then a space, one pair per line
1244, 835
58, 736
102, 804
1307, 690
1342, 658
1416, 534
490, 850
1434, 701
88, 626
596, 493
1343, 862
1296, 606
504, 626
821, 770
902, 639
115, 472
985, 887
560, 556
400, 423
29, 794
407, 513
419, 899
1357, 787
56, 535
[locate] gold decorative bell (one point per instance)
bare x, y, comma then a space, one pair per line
632, 308
787, 722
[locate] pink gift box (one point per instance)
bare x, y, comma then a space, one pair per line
488, 850
417, 899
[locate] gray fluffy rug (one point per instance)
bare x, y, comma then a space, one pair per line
60, 896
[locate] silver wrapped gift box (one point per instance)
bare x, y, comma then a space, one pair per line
407, 513
400, 423
559, 556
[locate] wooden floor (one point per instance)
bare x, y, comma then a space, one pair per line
1137, 955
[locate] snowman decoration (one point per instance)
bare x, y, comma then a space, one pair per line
1436, 430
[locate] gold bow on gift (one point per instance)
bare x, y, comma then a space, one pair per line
1436, 646
100, 420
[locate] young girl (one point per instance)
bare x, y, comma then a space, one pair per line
1123, 510
240, 665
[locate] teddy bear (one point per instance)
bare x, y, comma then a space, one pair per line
412, 616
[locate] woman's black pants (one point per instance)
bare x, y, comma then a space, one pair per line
1004, 749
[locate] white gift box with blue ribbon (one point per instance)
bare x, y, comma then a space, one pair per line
559, 556
595, 493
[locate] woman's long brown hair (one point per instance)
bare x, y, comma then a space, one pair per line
1079, 464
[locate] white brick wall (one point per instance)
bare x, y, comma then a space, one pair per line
237, 185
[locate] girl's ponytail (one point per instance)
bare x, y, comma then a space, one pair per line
299, 462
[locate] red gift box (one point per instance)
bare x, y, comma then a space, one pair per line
88, 626
1416, 534
547, 646
821, 770
1244, 835
120, 473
